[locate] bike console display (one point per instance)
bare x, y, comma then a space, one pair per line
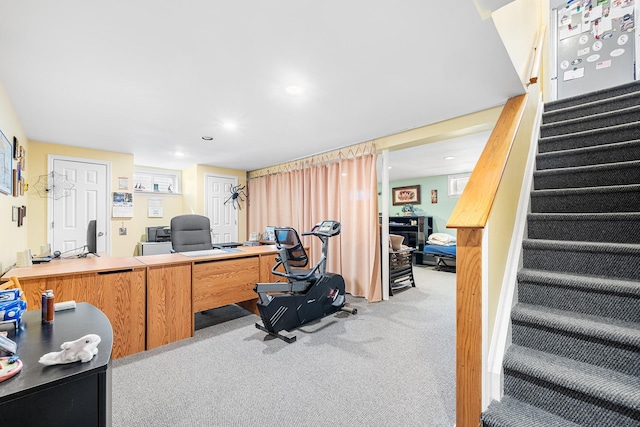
327, 228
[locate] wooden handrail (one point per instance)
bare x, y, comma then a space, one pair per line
474, 206
537, 58
470, 217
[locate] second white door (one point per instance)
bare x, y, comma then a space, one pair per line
223, 217
84, 201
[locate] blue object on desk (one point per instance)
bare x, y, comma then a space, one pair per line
12, 310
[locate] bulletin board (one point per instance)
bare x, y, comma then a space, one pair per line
595, 45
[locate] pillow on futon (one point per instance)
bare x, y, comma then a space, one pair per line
442, 239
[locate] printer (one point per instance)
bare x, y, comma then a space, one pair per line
159, 234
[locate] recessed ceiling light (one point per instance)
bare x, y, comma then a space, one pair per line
178, 154
229, 125
207, 138
293, 90
449, 158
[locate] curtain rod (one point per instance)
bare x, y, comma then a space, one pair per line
350, 152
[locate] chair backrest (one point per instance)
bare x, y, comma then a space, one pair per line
190, 233
290, 248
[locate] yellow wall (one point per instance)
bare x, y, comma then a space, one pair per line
121, 166
469, 124
12, 238
518, 23
196, 201
503, 213
171, 205
190, 190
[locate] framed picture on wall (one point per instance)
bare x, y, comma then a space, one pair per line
6, 165
16, 148
409, 195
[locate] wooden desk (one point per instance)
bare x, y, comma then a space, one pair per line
151, 300
179, 286
229, 279
117, 286
65, 395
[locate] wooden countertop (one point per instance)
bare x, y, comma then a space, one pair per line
177, 258
67, 266
92, 264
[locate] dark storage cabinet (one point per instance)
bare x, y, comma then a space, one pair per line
73, 394
415, 229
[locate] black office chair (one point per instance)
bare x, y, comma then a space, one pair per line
291, 253
190, 233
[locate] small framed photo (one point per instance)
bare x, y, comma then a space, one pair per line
270, 233
16, 148
409, 195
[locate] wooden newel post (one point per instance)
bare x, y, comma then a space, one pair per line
469, 327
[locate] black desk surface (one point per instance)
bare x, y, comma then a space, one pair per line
34, 340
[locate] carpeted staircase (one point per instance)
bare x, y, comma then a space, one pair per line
575, 353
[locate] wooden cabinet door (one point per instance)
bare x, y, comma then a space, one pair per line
223, 282
169, 315
65, 288
121, 296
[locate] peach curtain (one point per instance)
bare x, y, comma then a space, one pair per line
345, 190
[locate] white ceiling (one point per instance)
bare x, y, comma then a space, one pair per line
151, 77
429, 159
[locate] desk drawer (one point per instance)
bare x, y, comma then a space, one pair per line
219, 283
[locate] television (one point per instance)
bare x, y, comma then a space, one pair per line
92, 238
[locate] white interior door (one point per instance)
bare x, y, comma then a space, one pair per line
86, 200
223, 217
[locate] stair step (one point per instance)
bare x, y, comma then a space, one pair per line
510, 412
591, 108
595, 296
597, 121
619, 227
590, 138
593, 96
579, 392
599, 154
614, 260
599, 341
622, 173
619, 198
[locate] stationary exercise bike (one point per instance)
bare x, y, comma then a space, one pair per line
308, 294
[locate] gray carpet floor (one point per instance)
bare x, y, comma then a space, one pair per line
393, 363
